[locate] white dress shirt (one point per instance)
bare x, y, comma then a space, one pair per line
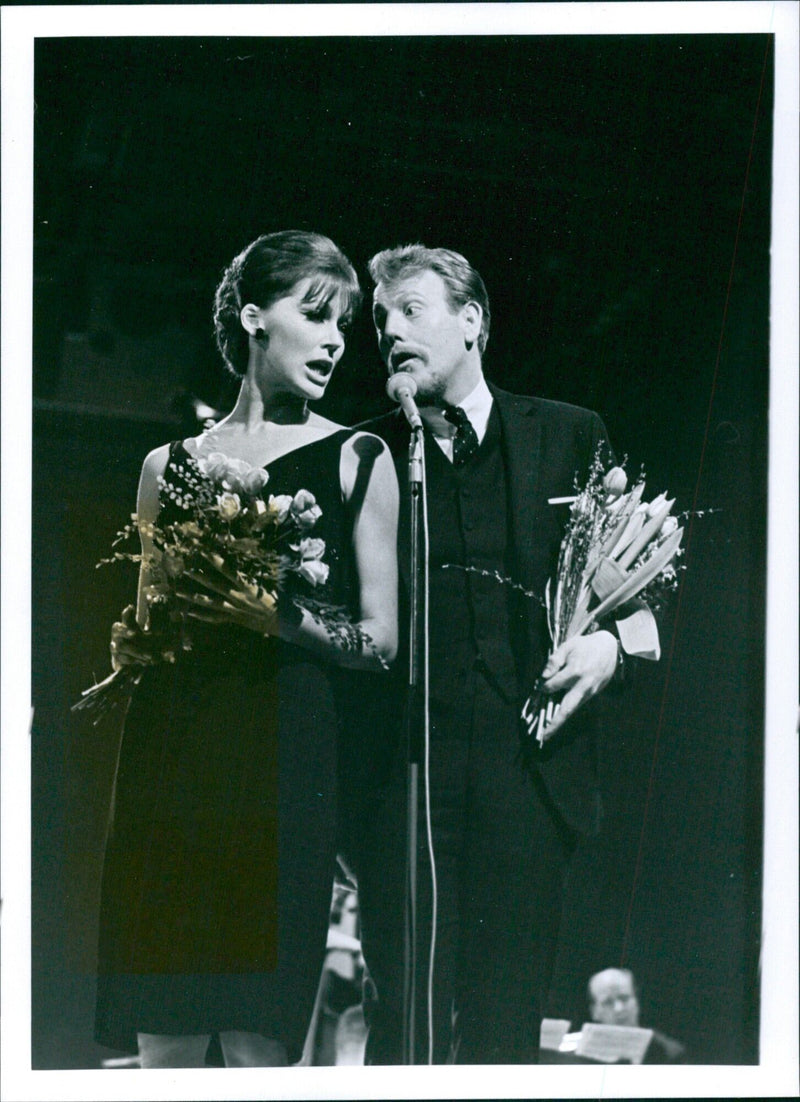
477, 405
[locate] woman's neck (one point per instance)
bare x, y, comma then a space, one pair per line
255, 406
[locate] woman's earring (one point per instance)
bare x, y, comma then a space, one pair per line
259, 334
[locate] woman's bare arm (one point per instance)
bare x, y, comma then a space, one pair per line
369, 487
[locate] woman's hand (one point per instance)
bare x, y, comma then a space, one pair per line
130, 645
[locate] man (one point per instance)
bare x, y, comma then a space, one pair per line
503, 823
614, 1000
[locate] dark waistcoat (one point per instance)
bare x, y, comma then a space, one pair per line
470, 613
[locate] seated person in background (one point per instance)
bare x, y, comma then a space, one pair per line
614, 1000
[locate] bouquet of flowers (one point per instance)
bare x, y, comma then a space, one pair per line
228, 537
616, 562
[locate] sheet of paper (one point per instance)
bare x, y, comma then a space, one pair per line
613, 1043
552, 1032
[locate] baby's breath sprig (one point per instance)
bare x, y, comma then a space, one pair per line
496, 576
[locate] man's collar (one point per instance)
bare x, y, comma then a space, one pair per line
477, 405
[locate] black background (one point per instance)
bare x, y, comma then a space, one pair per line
614, 194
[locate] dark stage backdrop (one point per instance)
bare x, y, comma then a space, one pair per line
614, 193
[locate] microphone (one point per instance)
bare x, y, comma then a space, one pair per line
401, 388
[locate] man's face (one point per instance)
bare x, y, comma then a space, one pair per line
614, 1000
419, 332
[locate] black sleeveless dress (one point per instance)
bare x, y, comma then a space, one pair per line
222, 839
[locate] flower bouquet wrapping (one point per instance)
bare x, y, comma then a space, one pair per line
615, 565
228, 538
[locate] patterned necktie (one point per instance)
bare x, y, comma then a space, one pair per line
465, 441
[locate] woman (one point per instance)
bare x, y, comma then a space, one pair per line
220, 859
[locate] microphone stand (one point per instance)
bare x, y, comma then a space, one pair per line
416, 693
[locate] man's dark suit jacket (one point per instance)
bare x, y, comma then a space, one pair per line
547, 447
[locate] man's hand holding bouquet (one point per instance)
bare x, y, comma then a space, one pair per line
615, 564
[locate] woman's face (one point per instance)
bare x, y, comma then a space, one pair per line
304, 342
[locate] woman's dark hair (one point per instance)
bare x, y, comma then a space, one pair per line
268, 269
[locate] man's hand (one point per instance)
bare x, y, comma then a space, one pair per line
580, 668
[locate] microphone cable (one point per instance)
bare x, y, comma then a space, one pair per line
427, 754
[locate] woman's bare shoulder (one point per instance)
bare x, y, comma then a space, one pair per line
155, 462
323, 425
153, 468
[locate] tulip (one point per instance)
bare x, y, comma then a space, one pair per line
615, 482
649, 530
656, 504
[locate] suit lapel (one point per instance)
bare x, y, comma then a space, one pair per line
522, 443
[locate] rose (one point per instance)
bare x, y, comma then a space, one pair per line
235, 470
281, 506
253, 481
310, 548
214, 466
229, 505
234, 475
314, 571
305, 510
240, 477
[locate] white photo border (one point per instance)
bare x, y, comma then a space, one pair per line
777, 1073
